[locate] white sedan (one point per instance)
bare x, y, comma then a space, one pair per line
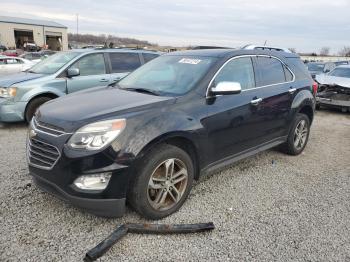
11, 65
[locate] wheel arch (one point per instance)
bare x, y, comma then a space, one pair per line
47, 94
181, 140
307, 110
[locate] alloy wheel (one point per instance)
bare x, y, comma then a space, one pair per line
300, 134
167, 184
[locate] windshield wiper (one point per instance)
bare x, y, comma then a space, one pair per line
141, 90
31, 71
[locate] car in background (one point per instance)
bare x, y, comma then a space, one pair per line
37, 56
334, 88
11, 65
338, 63
64, 73
11, 52
185, 114
317, 68
2, 48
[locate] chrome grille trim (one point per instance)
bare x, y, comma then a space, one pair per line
47, 130
42, 155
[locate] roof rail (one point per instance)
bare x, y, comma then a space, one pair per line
254, 47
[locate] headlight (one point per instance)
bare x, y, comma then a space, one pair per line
96, 135
8, 92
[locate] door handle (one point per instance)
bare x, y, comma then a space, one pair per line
117, 79
292, 90
104, 80
255, 102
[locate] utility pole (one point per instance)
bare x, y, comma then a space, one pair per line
77, 24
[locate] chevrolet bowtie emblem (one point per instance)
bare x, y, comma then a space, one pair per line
32, 133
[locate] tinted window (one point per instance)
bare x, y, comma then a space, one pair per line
341, 72
318, 67
148, 57
271, 71
91, 65
288, 74
238, 70
124, 62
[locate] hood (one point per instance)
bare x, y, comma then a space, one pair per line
7, 81
333, 80
71, 111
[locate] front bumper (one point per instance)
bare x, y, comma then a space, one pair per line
11, 111
99, 207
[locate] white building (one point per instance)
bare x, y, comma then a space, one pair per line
15, 32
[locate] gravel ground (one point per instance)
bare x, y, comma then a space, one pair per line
268, 207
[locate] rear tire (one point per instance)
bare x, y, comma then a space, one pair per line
298, 135
33, 106
154, 191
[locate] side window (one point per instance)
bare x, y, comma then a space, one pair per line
288, 74
148, 57
91, 65
124, 62
12, 61
271, 70
238, 70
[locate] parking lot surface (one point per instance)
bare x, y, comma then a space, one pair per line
270, 207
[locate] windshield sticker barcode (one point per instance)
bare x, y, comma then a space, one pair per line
190, 61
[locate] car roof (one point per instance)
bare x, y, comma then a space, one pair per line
229, 52
113, 50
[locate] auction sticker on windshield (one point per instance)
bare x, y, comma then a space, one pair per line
190, 61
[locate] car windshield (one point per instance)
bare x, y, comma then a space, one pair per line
168, 75
315, 67
53, 63
341, 72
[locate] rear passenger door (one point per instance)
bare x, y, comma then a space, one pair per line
276, 90
122, 64
93, 72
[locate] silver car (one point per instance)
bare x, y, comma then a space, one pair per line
63, 73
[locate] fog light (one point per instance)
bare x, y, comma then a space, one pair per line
93, 182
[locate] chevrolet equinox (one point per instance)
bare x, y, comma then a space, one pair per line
145, 139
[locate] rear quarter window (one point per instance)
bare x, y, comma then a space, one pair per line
298, 67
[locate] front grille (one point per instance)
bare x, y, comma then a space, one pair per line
42, 155
47, 128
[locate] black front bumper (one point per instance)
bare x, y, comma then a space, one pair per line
100, 207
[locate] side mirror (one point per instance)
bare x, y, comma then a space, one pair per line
226, 88
71, 72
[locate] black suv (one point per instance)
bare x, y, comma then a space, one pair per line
146, 139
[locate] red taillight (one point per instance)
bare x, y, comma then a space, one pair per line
314, 88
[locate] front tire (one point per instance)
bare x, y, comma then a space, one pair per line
298, 135
33, 106
162, 182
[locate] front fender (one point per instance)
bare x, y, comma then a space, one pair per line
160, 128
26, 92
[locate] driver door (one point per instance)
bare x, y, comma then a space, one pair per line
233, 124
93, 72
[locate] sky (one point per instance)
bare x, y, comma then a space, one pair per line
306, 25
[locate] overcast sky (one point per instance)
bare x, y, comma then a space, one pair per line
306, 25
